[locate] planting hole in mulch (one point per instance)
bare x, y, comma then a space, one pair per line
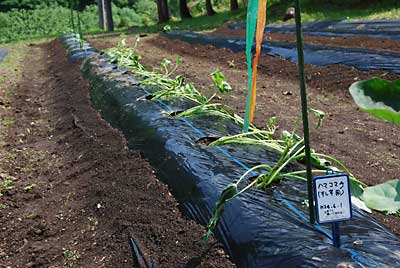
175, 113
206, 140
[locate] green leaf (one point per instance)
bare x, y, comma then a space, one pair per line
287, 136
356, 189
165, 62
383, 197
360, 204
178, 60
320, 163
227, 194
272, 122
167, 28
320, 115
219, 79
378, 97
29, 187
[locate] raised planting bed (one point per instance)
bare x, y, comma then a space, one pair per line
362, 59
259, 229
77, 48
357, 41
379, 29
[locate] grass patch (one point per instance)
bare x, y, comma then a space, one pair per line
70, 257
11, 66
29, 187
197, 23
5, 185
12, 63
7, 122
337, 10
10, 74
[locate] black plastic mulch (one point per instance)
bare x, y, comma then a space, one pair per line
381, 29
3, 54
360, 58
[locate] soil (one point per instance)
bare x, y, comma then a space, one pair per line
370, 148
73, 195
348, 42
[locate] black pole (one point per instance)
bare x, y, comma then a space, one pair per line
109, 16
304, 110
80, 29
336, 234
100, 7
72, 16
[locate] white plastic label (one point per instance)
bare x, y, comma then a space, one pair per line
332, 198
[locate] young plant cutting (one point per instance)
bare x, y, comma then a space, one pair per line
127, 57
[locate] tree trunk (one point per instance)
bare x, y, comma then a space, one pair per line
100, 6
234, 5
109, 17
162, 10
210, 10
159, 12
165, 9
183, 9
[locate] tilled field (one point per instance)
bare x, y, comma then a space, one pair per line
75, 194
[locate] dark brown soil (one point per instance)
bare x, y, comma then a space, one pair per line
350, 42
78, 194
370, 148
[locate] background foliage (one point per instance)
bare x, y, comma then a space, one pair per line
49, 21
7, 5
29, 19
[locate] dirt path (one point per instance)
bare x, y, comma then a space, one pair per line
72, 193
370, 148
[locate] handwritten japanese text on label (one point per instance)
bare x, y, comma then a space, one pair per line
333, 199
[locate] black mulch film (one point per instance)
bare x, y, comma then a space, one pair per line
360, 58
3, 54
379, 29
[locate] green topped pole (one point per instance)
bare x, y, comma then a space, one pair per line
251, 21
304, 110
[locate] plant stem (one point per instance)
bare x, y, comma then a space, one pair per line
303, 91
